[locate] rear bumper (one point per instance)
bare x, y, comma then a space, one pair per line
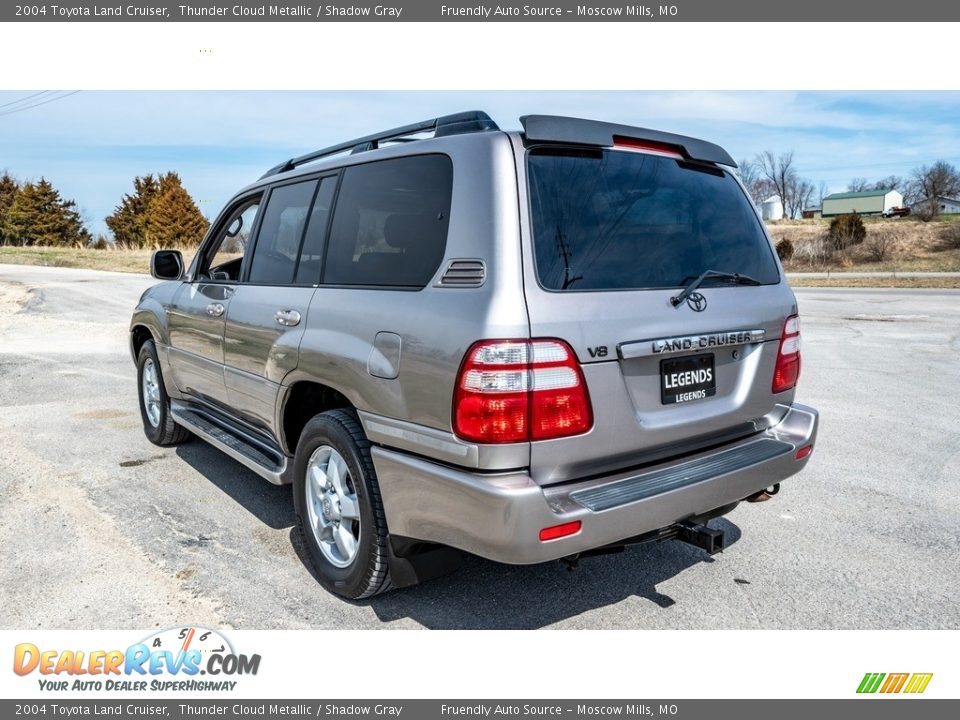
500, 516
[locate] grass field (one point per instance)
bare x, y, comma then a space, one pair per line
922, 261
134, 261
900, 245
838, 281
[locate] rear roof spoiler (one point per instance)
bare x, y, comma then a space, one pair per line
553, 128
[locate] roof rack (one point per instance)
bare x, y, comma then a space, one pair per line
456, 124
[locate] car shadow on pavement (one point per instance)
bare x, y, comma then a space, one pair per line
481, 594
484, 595
271, 504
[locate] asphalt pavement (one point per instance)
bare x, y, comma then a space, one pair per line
99, 528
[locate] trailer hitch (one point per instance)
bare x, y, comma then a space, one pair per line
701, 536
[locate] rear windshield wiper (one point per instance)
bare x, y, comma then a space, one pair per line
735, 278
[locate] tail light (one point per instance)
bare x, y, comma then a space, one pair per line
788, 356
520, 390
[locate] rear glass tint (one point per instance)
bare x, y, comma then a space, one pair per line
278, 240
618, 220
311, 252
390, 223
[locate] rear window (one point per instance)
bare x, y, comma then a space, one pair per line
278, 240
618, 220
390, 223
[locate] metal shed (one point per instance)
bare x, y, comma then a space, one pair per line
868, 202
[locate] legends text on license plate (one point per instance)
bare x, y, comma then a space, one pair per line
687, 378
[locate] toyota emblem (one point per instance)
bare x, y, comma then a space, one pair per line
697, 302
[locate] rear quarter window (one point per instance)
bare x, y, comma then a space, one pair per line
618, 220
390, 222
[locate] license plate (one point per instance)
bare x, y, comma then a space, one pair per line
687, 378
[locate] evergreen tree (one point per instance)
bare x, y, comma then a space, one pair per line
173, 218
159, 213
128, 222
8, 190
39, 216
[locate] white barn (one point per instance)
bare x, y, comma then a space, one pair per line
949, 206
944, 206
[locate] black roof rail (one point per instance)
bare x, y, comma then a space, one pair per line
552, 128
456, 124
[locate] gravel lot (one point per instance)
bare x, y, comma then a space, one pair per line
102, 529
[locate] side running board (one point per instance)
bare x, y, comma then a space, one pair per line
244, 447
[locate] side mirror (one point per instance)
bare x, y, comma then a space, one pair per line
166, 264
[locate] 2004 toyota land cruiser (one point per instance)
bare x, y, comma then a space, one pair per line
525, 345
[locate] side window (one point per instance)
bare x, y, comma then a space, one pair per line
311, 254
231, 244
281, 230
390, 224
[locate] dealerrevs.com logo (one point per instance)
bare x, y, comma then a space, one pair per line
172, 659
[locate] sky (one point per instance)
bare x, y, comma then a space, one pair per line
91, 145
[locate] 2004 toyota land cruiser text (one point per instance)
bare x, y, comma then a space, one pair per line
526, 345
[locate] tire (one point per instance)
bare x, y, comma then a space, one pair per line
336, 497
158, 424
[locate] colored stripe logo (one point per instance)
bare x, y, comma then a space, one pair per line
913, 683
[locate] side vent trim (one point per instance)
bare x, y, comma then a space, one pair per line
463, 273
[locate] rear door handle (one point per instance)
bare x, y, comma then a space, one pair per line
289, 318
215, 309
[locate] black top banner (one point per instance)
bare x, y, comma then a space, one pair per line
858, 11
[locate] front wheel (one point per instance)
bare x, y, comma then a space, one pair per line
158, 424
338, 506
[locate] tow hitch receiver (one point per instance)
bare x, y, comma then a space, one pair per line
703, 537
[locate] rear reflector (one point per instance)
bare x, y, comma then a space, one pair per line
520, 390
803, 452
787, 369
558, 531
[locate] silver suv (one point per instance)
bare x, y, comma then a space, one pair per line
526, 345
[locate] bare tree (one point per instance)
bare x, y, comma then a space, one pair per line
754, 181
822, 191
891, 182
858, 184
779, 171
801, 195
932, 182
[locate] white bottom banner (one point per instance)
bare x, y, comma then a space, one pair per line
210, 663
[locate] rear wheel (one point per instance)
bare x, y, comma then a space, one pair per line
338, 506
158, 424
